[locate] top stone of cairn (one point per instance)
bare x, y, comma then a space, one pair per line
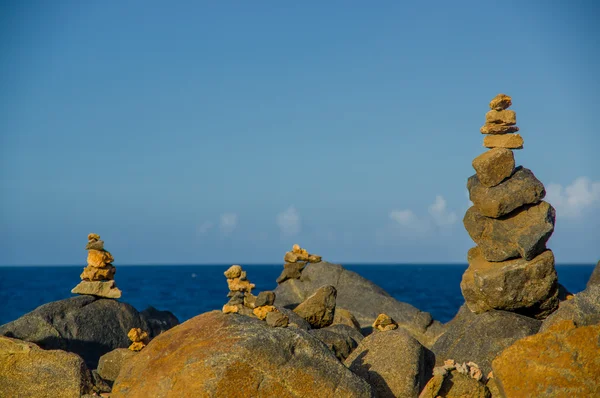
500, 102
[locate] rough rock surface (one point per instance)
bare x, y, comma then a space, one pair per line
340, 339
394, 363
363, 297
277, 320
291, 271
595, 278
106, 289
526, 287
345, 317
28, 371
99, 258
158, 321
480, 338
493, 166
98, 274
510, 141
454, 385
294, 320
583, 309
563, 361
491, 128
265, 298
85, 325
500, 102
219, 355
522, 188
110, 364
318, 308
505, 117
522, 233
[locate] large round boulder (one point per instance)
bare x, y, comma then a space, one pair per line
85, 325
231, 355
364, 299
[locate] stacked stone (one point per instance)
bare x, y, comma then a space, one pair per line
139, 339
384, 322
510, 268
97, 279
295, 261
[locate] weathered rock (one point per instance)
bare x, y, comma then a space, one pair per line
139, 339
491, 128
158, 321
527, 287
583, 309
219, 355
365, 299
295, 320
340, 339
265, 298
493, 166
522, 188
276, 319
345, 317
85, 325
509, 141
384, 323
29, 371
595, 278
318, 309
99, 384
393, 363
247, 299
110, 364
262, 312
230, 309
290, 257
561, 362
480, 338
501, 102
291, 271
235, 271
522, 233
454, 385
106, 289
95, 245
99, 258
505, 117
98, 274
313, 258
240, 285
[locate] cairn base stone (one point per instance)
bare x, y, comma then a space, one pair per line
105, 289
526, 287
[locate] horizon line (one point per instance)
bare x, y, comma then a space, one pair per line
228, 264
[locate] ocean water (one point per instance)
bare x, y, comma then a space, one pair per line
190, 290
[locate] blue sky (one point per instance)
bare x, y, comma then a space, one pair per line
224, 132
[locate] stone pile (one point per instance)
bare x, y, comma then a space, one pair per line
510, 268
139, 339
295, 261
384, 322
242, 301
97, 278
456, 380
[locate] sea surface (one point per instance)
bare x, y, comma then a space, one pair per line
189, 290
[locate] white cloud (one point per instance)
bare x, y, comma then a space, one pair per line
228, 223
289, 221
405, 218
574, 198
439, 212
205, 227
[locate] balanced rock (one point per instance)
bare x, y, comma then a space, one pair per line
241, 299
504, 117
526, 287
262, 311
340, 339
97, 278
481, 337
384, 322
494, 166
522, 233
235, 271
291, 271
393, 363
139, 339
563, 361
106, 289
110, 364
318, 309
522, 188
218, 355
497, 129
26, 370
500, 102
509, 141
106, 273
265, 298
295, 261
99, 258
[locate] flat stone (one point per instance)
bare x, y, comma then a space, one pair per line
500, 102
526, 287
265, 298
240, 285
510, 141
522, 233
99, 258
318, 309
497, 129
106, 273
505, 117
105, 289
493, 166
95, 245
522, 188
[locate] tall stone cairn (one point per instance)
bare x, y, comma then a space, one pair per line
97, 279
510, 268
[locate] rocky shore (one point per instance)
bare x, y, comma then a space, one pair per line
324, 331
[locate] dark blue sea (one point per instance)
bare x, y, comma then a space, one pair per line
188, 290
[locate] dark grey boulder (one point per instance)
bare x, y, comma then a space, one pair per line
480, 338
110, 364
595, 278
360, 296
340, 339
319, 307
85, 325
158, 321
295, 320
394, 363
583, 309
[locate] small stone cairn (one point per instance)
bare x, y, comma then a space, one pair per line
384, 322
97, 278
455, 379
295, 261
242, 301
139, 339
510, 268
